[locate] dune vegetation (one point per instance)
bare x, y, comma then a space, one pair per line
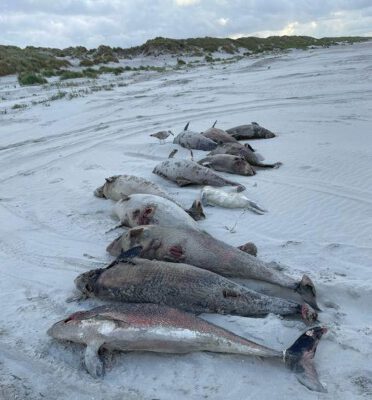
34, 64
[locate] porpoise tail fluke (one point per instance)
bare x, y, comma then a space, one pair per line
196, 210
299, 358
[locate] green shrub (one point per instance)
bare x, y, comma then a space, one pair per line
6, 68
18, 106
208, 58
71, 75
31, 78
85, 73
90, 73
14, 60
86, 63
111, 70
59, 95
180, 61
48, 72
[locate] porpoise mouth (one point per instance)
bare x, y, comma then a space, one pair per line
55, 330
99, 192
85, 282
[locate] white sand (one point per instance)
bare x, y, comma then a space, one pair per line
319, 219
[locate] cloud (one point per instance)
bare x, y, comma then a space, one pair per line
223, 21
183, 3
124, 23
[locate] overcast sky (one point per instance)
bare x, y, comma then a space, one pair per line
125, 23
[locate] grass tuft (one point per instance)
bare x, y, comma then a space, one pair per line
31, 78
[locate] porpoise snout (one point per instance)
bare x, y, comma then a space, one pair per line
99, 192
56, 330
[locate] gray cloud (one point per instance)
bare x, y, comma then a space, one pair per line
62, 23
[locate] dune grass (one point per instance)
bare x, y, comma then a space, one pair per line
30, 78
14, 60
34, 64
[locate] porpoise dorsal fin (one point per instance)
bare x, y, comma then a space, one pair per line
172, 153
131, 253
126, 256
249, 147
215, 122
192, 155
186, 126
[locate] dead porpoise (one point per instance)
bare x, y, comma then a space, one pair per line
194, 140
162, 329
148, 209
244, 151
228, 163
228, 199
136, 280
251, 131
186, 172
219, 136
204, 251
119, 186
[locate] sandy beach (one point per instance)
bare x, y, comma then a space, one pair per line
319, 220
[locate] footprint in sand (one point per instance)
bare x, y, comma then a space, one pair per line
290, 243
309, 168
93, 166
56, 180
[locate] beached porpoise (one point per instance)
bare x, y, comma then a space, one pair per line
186, 172
194, 140
204, 251
138, 280
162, 329
250, 131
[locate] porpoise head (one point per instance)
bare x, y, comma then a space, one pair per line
266, 133
86, 281
135, 216
242, 167
100, 191
138, 236
69, 328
